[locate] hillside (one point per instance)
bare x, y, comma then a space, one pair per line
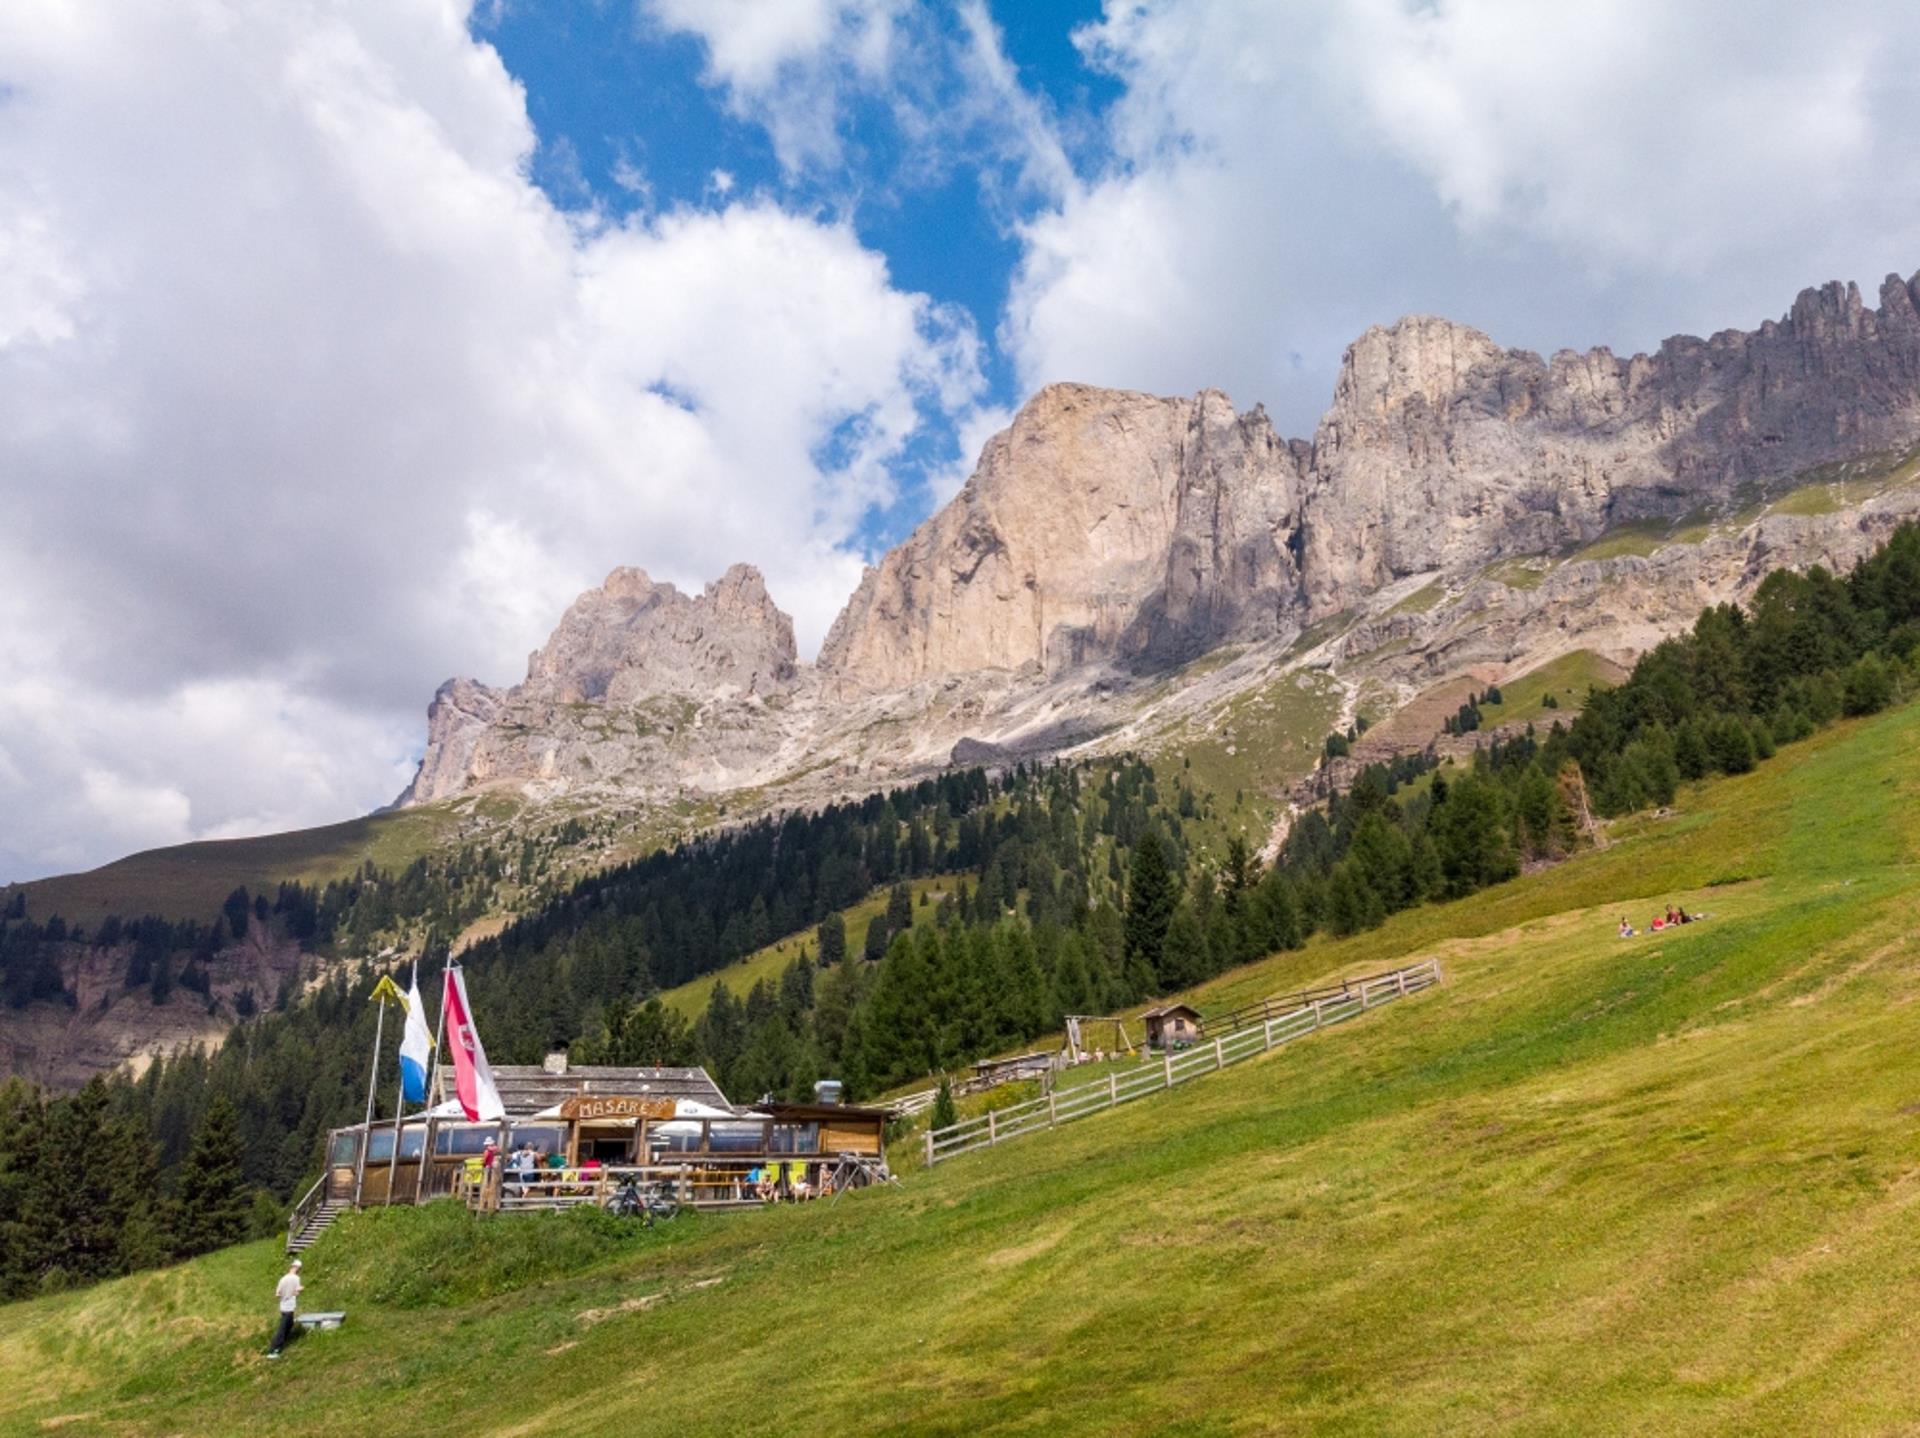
1587, 1185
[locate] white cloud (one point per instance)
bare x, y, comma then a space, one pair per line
791, 66
1280, 176
308, 398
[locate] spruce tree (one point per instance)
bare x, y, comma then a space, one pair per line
214, 1199
899, 909
943, 1114
1151, 898
833, 940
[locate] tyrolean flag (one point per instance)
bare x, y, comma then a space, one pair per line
472, 1079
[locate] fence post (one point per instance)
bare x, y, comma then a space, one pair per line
993, 1129
1316, 1013
929, 1145
1166, 1060
1400, 978
1053, 1113
1266, 1032
1219, 1056
1113, 1089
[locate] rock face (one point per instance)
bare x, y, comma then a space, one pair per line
1107, 536
620, 650
1443, 450
632, 639
1067, 531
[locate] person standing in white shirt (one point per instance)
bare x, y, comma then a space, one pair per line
287, 1291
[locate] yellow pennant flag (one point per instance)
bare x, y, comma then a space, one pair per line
388, 989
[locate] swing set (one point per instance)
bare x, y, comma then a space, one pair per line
1078, 1026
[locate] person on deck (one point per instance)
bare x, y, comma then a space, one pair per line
287, 1292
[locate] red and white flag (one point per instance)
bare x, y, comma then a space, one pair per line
472, 1079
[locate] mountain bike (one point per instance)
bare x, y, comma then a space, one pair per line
648, 1202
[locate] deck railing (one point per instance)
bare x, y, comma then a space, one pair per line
996, 1126
304, 1209
705, 1182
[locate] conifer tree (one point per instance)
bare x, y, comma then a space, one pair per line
899, 909
1151, 898
214, 1199
833, 940
943, 1113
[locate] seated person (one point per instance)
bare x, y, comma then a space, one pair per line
1685, 918
1672, 918
797, 1181
556, 1159
1656, 925
1626, 929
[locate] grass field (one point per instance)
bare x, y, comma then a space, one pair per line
189, 881
1665, 1185
692, 997
1567, 679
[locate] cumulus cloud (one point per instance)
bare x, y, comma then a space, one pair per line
1280, 176
791, 67
308, 398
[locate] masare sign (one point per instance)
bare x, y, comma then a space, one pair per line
583, 1107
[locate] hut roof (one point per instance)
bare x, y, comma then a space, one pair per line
1168, 1010
528, 1089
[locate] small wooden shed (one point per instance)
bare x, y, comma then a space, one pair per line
1172, 1026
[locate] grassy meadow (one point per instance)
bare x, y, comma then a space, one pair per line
1660, 1185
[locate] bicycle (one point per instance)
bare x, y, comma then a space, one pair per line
648, 1202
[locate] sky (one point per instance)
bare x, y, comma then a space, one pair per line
343, 342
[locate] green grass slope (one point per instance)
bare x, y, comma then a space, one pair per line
190, 881
1665, 1185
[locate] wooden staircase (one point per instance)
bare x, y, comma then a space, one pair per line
318, 1221
312, 1216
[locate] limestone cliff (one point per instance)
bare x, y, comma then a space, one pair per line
1107, 536
633, 649
1442, 450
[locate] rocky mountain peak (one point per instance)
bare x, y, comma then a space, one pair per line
1108, 532
1418, 359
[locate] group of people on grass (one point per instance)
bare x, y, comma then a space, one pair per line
1673, 916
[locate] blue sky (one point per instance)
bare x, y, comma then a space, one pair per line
630, 121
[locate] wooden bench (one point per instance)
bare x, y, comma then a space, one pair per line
307, 1322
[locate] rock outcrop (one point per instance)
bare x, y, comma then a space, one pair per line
1443, 451
1106, 537
634, 650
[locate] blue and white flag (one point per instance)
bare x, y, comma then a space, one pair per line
416, 1048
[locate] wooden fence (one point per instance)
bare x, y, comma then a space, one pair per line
1208, 1056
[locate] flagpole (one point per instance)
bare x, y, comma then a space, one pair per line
373, 1078
433, 1080
400, 1099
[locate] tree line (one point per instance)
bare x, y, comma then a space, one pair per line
1063, 888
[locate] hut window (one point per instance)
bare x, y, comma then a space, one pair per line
544, 1138
795, 1138
412, 1140
346, 1148
735, 1137
380, 1146
464, 1140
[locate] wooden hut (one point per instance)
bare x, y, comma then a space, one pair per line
1172, 1026
581, 1121
990, 1073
